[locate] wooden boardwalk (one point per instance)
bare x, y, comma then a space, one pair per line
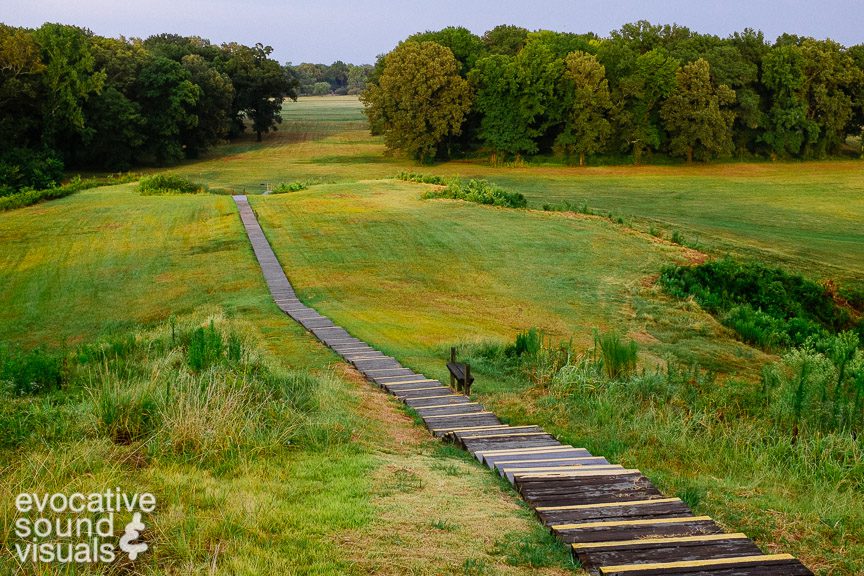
616, 521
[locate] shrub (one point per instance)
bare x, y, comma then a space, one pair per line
677, 238
285, 187
767, 306
420, 178
34, 372
169, 184
527, 343
480, 192
21, 168
126, 412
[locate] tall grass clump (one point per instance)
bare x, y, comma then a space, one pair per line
169, 184
818, 386
618, 357
480, 192
194, 392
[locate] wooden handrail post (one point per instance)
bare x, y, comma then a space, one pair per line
453, 361
467, 383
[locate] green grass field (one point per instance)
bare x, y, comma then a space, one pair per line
414, 277
108, 265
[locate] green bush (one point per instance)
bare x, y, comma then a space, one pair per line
420, 178
286, 187
21, 168
169, 184
527, 343
479, 191
767, 306
34, 372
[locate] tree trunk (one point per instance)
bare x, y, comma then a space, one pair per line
689, 154
494, 159
581, 158
259, 135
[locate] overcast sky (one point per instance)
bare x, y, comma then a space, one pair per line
357, 30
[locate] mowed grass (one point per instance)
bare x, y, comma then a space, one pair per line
414, 277
805, 216
109, 263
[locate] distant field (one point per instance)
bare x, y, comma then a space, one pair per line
804, 215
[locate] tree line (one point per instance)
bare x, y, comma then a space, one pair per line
645, 89
338, 78
72, 98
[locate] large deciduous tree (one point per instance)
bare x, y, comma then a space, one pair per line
587, 126
642, 89
260, 86
420, 99
69, 79
787, 126
697, 116
168, 99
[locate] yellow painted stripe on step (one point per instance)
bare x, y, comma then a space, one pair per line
469, 428
608, 505
644, 541
418, 389
568, 458
539, 476
714, 562
535, 450
648, 522
574, 468
402, 382
446, 406
454, 415
369, 357
431, 397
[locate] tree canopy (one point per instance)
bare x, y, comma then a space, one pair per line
420, 100
70, 97
650, 89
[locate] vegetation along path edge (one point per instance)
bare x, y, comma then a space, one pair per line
614, 519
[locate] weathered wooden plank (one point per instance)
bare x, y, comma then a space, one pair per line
660, 508
551, 462
691, 526
696, 548
430, 392
482, 444
490, 457
451, 409
578, 491
437, 400
787, 563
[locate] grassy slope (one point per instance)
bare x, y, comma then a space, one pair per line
805, 215
109, 259
414, 277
